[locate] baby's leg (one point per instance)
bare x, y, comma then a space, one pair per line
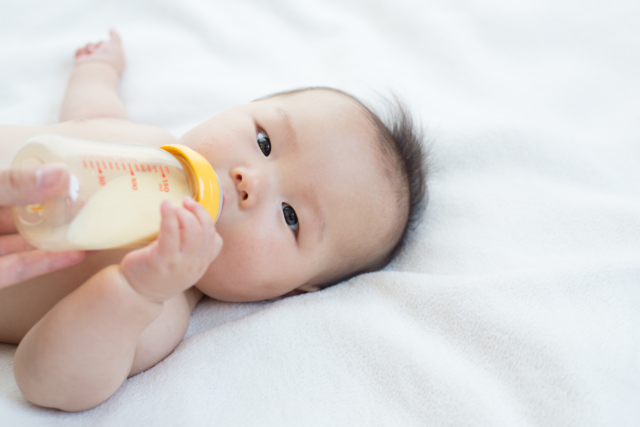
93, 87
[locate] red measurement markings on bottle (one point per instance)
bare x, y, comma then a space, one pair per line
134, 181
164, 186
108, 163
101, 179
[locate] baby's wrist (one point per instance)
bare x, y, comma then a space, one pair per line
142, 289
98, 66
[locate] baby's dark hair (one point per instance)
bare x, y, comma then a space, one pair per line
402, 144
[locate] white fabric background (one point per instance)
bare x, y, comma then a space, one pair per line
517, 302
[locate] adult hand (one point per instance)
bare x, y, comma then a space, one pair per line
19, 260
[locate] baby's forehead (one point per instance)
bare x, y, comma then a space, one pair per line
319, 103
343, 132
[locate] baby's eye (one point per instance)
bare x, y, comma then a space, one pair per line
290, 217
264, 143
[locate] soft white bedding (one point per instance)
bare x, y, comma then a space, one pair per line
517, 304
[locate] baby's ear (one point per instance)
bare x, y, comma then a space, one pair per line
308, 288
301, 290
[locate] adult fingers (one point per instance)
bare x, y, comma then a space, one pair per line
18, 267
12, 244
31, 185
7, 226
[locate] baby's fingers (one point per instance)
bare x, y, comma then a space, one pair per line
211, 240
192, 230
216, 247
169, 238
115, 37
203, 216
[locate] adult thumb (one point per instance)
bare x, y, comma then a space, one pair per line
31, 185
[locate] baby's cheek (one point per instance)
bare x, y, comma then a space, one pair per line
246, 265
260, 258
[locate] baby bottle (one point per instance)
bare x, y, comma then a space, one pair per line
115, 191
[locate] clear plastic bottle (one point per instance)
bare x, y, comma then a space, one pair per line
115, 191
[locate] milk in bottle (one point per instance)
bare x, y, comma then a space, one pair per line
115, 191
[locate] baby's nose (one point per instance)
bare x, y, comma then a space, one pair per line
248, 185
241, 185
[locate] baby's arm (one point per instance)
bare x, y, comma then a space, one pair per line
93, 86
80, 353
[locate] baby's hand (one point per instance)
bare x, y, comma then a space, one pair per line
186, 245
109, 52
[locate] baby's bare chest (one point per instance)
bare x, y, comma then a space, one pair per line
24, 304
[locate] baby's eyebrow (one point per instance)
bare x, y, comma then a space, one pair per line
286, 121
317, 213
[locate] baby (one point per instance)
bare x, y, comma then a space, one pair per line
316, 190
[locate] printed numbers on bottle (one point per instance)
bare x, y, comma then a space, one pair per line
164, 187
134, 184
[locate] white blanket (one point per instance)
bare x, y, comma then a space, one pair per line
518, 301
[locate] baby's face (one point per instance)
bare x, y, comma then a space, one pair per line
305, 199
